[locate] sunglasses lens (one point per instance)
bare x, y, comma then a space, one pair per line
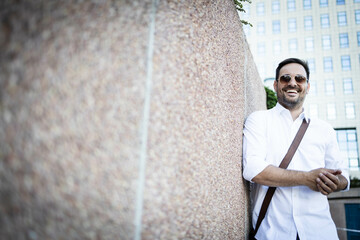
285, 78
300, 79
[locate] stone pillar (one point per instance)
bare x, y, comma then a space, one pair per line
123, 119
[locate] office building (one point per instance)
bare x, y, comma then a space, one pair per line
326, 33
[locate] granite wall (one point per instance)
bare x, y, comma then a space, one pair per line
123, 119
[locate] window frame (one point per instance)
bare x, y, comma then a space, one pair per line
309, 44
348, 87
275, 6
328, 64
292, 25
325, 20
350, 110
276, 30
329, 87
291, 5
323, 3
342, 18
308, 23
357, 16
345, 63
326, 42
307, 4
344, 40
260, 9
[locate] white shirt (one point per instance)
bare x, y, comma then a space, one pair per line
267, 137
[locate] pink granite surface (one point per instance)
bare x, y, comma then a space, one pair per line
88, 145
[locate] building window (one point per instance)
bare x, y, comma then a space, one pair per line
344, 40
324, 3
309, 44
352, 213
348, 145
311, 64
275, 6
292, 25
291, 6
357, 16
345, 63
348, 86
260, 9
358, 38
324, 20
276, 26
329, 87
350, 110
328, 64
307, 4
341, 18
326, 42
261, 49
261, 28
340, 2
308, 23
277, 47
293, 45
331, 111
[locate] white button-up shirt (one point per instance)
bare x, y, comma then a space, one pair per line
267, 137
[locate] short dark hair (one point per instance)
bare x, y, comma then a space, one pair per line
293, 60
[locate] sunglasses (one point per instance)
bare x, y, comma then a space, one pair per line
287, 78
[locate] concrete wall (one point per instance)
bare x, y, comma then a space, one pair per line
123, 119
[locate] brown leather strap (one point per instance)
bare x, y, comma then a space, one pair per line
284, 164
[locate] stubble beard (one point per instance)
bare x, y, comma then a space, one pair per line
288, 103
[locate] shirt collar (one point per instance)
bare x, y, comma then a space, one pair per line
281, 110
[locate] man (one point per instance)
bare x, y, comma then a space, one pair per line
299, 207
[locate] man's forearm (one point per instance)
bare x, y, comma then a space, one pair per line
278, 177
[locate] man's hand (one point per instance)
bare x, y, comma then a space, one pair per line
313, 177
331, 181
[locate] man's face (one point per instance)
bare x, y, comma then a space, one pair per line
290, 90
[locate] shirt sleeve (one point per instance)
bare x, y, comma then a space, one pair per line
254, 145
334, 158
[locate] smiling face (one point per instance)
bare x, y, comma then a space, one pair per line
291, 94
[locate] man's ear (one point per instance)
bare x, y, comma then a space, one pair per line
308, 88
275, 85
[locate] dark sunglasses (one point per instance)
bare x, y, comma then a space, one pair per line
287, 78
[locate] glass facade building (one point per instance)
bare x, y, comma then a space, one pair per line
327, 35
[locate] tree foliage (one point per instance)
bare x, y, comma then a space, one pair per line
271, 98
240, 7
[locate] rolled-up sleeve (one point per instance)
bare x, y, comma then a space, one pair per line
254, 145
334, 158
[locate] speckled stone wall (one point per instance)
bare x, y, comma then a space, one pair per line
123, 119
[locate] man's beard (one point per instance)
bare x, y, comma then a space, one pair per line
290, 103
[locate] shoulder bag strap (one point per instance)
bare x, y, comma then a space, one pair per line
284, 164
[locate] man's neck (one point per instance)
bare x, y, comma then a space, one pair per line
295, 111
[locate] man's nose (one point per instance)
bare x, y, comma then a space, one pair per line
292, 82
